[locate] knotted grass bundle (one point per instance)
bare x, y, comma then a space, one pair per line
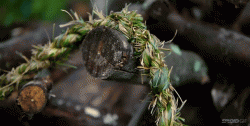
147, 49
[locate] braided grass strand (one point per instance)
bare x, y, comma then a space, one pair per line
44, 56
147, 50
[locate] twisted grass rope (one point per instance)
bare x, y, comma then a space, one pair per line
147, 48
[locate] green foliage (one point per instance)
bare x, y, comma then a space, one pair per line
24, 10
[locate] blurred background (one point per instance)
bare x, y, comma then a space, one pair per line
18, 11
15, 13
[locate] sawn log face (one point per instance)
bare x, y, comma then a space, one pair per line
104, 50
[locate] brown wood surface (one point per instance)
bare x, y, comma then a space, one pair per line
105, 49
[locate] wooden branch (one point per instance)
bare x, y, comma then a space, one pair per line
34, 95
188, 67
220, 12
213, 42
225, 12
238, 3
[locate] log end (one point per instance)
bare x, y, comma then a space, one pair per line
32, 99
105, 49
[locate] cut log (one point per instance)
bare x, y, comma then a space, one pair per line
33, 96
106, 50
101, 54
